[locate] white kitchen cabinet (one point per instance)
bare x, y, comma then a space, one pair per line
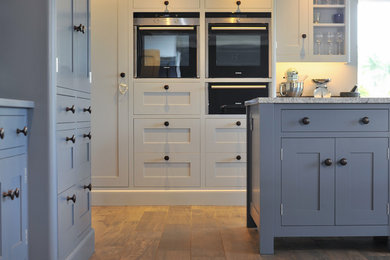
226, 135
307, 30
232, 4
172, 5
167, 98
167, 135
167, 170
225, 169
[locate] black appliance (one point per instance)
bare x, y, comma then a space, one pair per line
229, 98
166, 45
239, 45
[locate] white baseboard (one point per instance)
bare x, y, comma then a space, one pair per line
171, 197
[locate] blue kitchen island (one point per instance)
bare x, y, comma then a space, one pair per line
317, 167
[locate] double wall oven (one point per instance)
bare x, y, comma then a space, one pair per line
166, 45
239, 45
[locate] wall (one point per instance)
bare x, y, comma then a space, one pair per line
26, 53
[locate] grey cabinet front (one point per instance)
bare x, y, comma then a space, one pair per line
307, 182
362, 183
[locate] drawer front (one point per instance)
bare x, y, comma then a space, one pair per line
66, 165
83, 153
8, 126
178, 99
226, 169
159, 4
246, 4
83, 206
67, 229
83, 110
14, 210
157, 170
167, 135
226, 135
66, 109
335, 120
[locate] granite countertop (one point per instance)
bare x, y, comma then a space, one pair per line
312, 100
15, 103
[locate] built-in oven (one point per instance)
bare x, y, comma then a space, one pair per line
229, 98
239, 45
166, 45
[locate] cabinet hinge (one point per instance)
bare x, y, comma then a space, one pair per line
281, 154
25, 175
281, 209
57, 64
388, 209
26, 234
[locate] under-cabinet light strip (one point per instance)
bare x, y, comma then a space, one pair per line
238, 86
237, 28
167, 28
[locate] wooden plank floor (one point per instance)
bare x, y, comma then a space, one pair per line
208, 232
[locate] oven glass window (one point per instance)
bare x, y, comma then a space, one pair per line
167, 54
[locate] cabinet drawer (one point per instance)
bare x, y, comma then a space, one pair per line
245, 4
83, 206
225, 169
159, 4
167, 135
9, 123
179, 98
83, 152
67, 228
335, 120
83, 110
226, 135
66, 109
66, 165
176, 170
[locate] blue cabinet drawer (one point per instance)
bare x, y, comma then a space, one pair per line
67, 228
83, 110
12, 125
83, 205
66, 156
66, 109
83, 152
353, 120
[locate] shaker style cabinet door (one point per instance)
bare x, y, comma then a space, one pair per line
307, 181
159, 5
232, 4
361, 181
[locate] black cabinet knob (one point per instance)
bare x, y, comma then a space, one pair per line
238, 123
2, 133
304, 36
88, 135
166, 158
166, 3
166, 87
17, 193
89, 110
80, 28
238, 157
72, 109
122, 75
89, 187
343, 162
306, 120
73, 198
73, 139
22, 131
166, 123
238, 3
365, 120
10, 194
328, 162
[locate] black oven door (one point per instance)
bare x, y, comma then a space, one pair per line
166, 52
238, 50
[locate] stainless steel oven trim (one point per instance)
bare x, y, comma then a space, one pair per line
197, 52
168, 21
236, 20
218, 86
135, 54
163, 28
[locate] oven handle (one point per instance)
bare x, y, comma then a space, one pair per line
225, 107
238, 86
237, 28
164, 28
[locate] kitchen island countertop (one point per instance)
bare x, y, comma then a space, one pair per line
312, 100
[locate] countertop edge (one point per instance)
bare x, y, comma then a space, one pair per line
312, 100
16, 103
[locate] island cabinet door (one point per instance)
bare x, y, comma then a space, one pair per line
307, 181
361, 181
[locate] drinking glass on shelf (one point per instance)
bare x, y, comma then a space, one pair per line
330, 42
339, 40
317, 17
318, 38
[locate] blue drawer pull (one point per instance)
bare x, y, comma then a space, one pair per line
73, 139
23, 131
72, 108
